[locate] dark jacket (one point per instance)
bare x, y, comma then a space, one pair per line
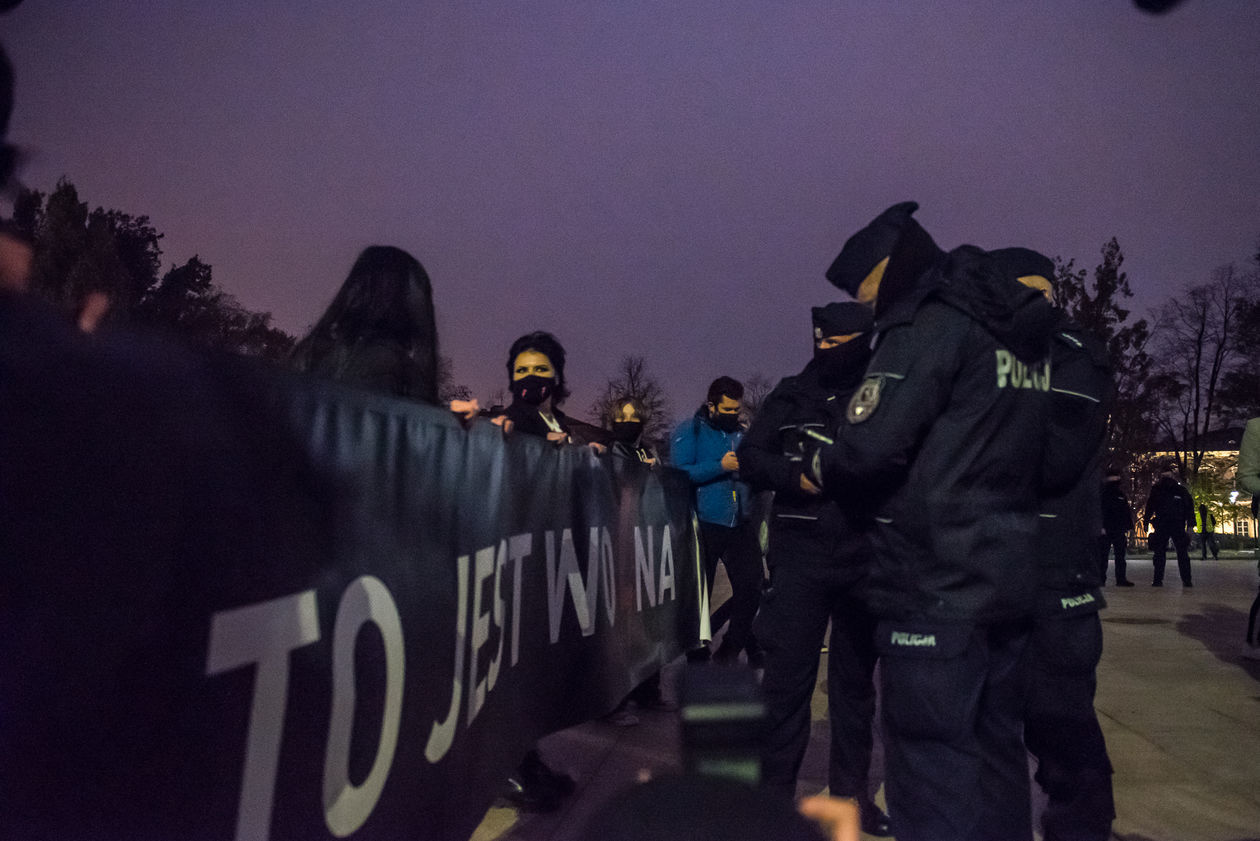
1081, 395
697, 447
804, 528
526, 419
1170, 506
1117, 514
634, 451
948, 427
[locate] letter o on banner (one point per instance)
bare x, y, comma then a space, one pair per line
347, 806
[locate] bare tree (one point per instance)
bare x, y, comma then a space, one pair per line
448, 389
1197, 344
634, 380
756, 389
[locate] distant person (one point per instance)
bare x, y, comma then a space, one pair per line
704, 448
1170, 514
1249, 478
379, 332
818, 553
1061, 729
1117, 522
1207, 533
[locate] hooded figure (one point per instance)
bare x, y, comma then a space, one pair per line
1061, 728
946, 436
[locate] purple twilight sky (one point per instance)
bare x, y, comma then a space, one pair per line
668, 179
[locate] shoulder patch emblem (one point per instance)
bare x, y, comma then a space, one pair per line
866, 399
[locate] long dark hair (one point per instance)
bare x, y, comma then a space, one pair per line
379, 330
550, 347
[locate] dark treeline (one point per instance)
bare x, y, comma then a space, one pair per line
114, 259
1181, 378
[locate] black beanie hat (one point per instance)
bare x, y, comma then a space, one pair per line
1022, 262
863, 251
842, 318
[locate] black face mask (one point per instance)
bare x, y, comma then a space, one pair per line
725, 422
533, 389
627, 432
843, 364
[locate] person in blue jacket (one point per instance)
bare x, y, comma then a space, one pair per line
704, 447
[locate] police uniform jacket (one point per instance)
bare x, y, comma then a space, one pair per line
949, 428
1117, 514
1081, 393
1170, 506
804, 528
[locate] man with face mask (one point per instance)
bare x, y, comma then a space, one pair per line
946, 436
817, 557
704, 448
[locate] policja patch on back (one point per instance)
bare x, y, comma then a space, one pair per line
865, 400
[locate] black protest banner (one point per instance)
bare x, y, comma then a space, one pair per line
236, 604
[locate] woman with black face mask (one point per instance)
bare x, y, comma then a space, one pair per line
535, 366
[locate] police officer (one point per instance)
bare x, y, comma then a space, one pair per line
1117, 522
947, 433
1060, 727
1170, 512
817, 556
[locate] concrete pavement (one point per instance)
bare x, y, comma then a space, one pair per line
1179, 706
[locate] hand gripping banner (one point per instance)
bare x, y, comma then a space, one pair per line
239, 604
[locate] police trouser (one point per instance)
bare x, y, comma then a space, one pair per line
740, 550
1061, 729
1112, 540
1159, 548
953, 730
801, 599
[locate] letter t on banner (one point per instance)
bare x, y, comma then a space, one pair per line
262, 634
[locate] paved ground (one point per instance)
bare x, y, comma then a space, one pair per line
1180, 709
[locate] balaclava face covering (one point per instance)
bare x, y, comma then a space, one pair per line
845, 363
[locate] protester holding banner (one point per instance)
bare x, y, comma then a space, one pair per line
626, 419
535, 366
379, 331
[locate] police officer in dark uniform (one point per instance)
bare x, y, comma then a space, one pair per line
1060, 727
1117, 522
1170, 513
817, 556
947, 431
